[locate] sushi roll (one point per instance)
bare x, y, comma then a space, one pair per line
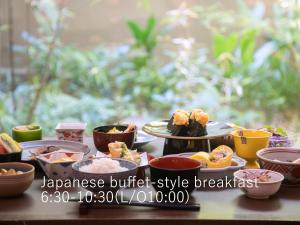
199, 116
191, 124
198, 121
178, 124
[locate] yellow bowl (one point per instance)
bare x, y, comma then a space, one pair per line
247, 145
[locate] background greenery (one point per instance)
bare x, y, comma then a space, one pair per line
250, 75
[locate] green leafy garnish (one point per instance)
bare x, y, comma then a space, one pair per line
279, 130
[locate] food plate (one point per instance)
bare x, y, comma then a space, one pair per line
32, 147
145, 158
142, 139
219, 173
214, 130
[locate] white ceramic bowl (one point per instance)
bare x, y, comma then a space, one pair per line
105, 177
59, 170
258, 189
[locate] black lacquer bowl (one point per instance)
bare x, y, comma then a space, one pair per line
174, 169
11, 157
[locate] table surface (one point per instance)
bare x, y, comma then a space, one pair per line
223, 206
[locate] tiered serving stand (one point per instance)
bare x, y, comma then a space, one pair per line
217, 134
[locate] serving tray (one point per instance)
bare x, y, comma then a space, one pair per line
217, 134
214, 130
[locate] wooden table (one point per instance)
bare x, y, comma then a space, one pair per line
227, 206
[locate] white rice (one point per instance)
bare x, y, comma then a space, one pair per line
103, 165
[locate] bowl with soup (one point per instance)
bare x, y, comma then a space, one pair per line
283, 160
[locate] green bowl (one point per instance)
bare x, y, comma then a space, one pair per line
27, 135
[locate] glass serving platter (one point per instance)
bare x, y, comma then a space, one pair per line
214, 130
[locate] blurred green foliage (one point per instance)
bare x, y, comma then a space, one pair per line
250, 75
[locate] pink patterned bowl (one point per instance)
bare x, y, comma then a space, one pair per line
254, 188
281, 160
70, 131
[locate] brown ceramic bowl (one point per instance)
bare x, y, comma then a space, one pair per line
14, 185
102, 138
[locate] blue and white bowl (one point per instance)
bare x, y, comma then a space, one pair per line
59, 170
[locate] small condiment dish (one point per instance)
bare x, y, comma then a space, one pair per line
70, 131
25, 133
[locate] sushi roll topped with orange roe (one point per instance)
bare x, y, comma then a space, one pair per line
199, 116
192, 124
181, 117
